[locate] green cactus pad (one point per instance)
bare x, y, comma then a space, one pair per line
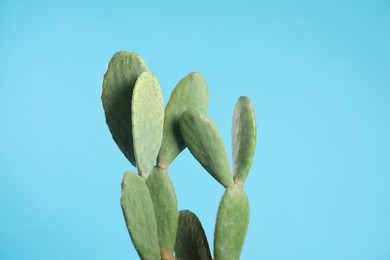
118, 85
138, 211
243, 138
191, 242
232, 224
190, 92
204, 141
165, 209
147, 121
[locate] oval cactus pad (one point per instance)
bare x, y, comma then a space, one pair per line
118, 84
138, 211
232, 224
147, 121
243, 138
190, 92
191, 243
165, 209
205, 143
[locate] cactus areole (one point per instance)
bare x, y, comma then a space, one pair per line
151, 137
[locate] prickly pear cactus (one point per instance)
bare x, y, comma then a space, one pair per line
152, 137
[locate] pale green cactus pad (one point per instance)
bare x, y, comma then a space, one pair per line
191, 243
205, 143
118, 84
138, 211
190, 92
243, 138
147, 121
165, 209
232, 224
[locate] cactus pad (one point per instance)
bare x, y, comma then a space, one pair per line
243, 138
205, 143
138, 211
232, 223
165, 209
191, 243
147, 121
190, 92
118, 85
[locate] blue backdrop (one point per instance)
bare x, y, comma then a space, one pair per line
317, 73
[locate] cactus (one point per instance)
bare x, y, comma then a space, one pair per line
191, 242
151, 138
139, 216
165, 209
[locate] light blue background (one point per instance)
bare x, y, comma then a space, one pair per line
317, 73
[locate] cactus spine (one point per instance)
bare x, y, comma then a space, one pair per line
151, 138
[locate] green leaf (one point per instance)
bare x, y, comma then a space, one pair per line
243, 138
164, 200
138, 211
118, 84
205, 143
191, 242
147, 121
190, 92
232, 224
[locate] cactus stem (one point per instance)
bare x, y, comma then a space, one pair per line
162, 165
166, 255
237, 181
229, 185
